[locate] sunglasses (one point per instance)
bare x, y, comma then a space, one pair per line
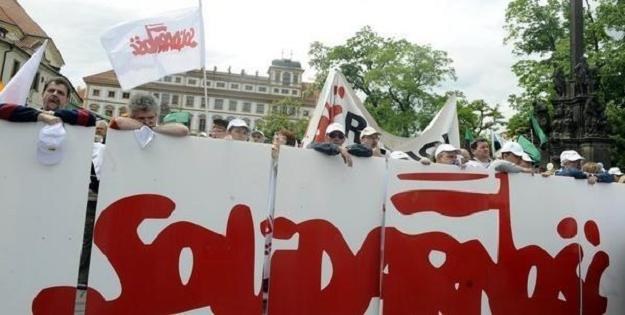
336, 134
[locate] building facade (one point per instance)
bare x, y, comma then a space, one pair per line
20, 36
230, 95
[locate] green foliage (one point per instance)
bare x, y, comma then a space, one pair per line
282, 115
396, 76
538, 32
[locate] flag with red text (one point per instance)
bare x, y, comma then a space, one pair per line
145, 50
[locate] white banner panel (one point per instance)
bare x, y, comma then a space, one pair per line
474, 242
326, 240
42, 214
178, 226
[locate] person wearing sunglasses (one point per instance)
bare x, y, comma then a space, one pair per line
333, 143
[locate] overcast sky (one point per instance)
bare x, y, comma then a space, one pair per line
249, 34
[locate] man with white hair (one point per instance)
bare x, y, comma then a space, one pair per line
144, 112
571, 166
511, 157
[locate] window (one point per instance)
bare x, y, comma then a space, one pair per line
220, 84
111, 94
276, 90
286, 78
3, 32
305, 113
202, 124
294, 92
16, 67
108, 110
208, 83
262, 89
203, 102
274, 108
277, 78
247, 107
126, 95
260, 108
189, 101
249, 88
165, 99
95, 92
285, 91
291, 111
219, 104
192, 82
232, 106
295, 79
94, 108
167, 79
122, 111
234, 86
178, 79
36, 82
175, 99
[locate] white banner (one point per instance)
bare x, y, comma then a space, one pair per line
326, 241
180, 229
42, 214
339, 103
146, 50
474, 242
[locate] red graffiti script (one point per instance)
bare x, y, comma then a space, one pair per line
330, 113
160, 40
222, 275
407, 280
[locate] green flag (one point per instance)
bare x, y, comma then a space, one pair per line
179, 117
468, 137
529, 148
542, 137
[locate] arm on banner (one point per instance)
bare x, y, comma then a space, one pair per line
332, 149
170, 129
78, 117
19, 113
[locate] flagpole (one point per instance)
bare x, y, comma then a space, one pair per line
203, 60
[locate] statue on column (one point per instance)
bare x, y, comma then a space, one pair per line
581, 77
559, 82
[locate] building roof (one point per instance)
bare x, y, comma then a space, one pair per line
12, 12
288, 63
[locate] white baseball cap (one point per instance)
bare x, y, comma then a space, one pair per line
445, 148
368, 131
335, 127
526, 158
570, 155
615, 171
513, 148
50, 144
237, 122
399, 155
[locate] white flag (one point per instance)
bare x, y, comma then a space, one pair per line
339, 103
18, 89
146, 50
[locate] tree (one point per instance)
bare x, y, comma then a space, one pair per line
538, 32
395, 76
281, 116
